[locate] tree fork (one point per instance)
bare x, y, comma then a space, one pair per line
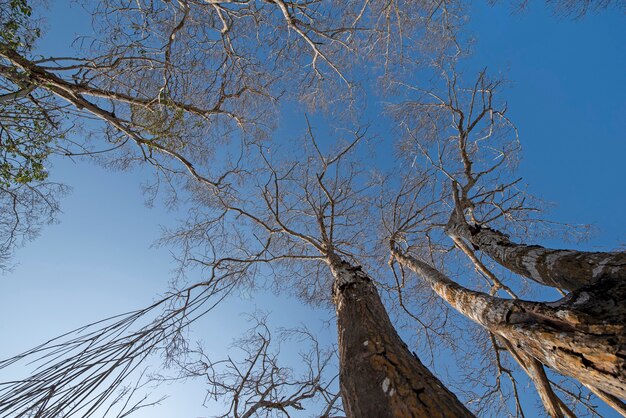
379, 376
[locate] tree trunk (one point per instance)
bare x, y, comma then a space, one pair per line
566, 269
582, 335
379, 376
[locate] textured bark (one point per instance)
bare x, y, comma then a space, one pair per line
535, 371
379, 376
566, 269
582, 335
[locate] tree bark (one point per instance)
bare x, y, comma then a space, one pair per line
379, 376
583, 335
535, 371
565, 269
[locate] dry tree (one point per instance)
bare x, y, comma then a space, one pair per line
465, 136
256, 380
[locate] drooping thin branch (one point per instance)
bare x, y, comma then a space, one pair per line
78, 373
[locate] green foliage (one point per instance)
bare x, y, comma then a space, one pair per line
16, 27
25, 144
27, 129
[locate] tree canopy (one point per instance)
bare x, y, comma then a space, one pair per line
346, 154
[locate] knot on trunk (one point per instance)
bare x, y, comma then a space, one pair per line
346, 275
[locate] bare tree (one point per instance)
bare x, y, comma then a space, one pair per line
304, 218
23, 210
301, 215
165, 75
190, 88
184, 86
85, 372
571, 336
580, 335
169, 83
259, 384
563, 269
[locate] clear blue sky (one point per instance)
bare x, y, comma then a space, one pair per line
566, 98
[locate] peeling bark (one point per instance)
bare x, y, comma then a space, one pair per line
379, 376
565, 269
535, 371
583, 335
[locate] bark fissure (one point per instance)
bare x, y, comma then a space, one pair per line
379, 375
565, 269
583, 335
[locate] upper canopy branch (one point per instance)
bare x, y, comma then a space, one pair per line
566, 269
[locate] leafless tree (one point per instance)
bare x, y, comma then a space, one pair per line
23, 210
167, 75
79, 373
190, 88
301, 218
259, 384
168, 83
186, 86
580, 335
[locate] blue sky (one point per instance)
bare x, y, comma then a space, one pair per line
565, 97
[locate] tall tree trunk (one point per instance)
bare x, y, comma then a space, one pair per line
379, 376
566, 269
582, 335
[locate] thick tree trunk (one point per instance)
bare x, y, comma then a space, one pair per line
582, 335
379, 376
566, 269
